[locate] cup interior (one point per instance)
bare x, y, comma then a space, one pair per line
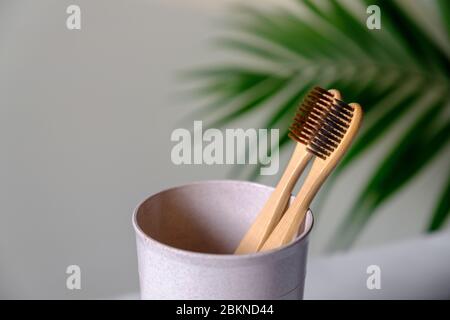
206, 217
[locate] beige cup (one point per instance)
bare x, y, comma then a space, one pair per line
186, 236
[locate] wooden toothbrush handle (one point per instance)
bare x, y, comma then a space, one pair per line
287, 228
276, 204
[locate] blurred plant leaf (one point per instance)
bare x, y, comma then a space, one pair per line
442, 210
420, 46
409, 155
444, 6
271, 86
380, 127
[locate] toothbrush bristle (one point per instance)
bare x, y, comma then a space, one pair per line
321, 122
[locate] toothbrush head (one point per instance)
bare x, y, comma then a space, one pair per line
321, 122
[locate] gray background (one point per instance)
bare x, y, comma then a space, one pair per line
85, 124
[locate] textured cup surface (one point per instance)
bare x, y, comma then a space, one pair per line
186, 236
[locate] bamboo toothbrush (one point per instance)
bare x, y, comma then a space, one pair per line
308, 121
329, 145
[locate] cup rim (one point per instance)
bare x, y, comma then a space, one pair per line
201, 255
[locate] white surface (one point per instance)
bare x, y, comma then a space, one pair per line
415, 269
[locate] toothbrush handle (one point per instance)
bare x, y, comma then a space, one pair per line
288, 226
276, 204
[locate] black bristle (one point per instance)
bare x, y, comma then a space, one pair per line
323, 91
336, 120
330, 135
321, 122
342, 110
329, 141
338, 133
345, 106
317, 150
322, 144
334, 126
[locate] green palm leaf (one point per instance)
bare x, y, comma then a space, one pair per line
442, 210
388, 71
409, 155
